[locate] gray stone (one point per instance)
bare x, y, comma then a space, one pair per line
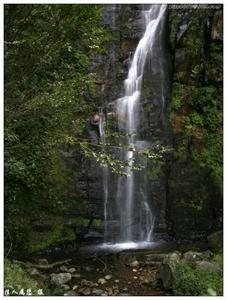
75, 287
167, 269
108, 277
134, 264
66, 287
88, 269
215, 241
87, 283
192, 256
63, 269
43, 261
76, 275
86, 292
208, 266
72, 270
97, 292
70, 293
102, 281
33, 272
61, 278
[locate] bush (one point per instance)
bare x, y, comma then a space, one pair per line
191, 281
15, 278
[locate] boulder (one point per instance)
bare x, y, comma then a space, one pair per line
208, 266
60, 279
215, 241
167, 269
192, 257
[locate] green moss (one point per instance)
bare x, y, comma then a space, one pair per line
59, 233
191, 281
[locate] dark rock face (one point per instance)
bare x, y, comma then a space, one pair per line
182, 193
127, 27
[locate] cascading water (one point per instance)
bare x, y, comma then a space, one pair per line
133, 215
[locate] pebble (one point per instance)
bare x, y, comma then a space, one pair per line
87, 283
66, 287
135, 263
43, 261
117, 280
108, 277
97, 292
63, 269
70, 293
101, 281
88, 269
86, 292
76, 275
134, 270
71, 270
135, 277
75, 287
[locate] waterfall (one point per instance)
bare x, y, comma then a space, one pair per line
133, 215
105, 169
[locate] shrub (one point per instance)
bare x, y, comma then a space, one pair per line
191, 281
15, 278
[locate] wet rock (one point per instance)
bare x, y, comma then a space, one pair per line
192, 257
43, 261
63, 269
97, 292
109, 291
108, 277
75, 287
135, 277
134, 264
86, 292
167, 269
88, 269
66, 287
61, 278
101, 281
71, 293
33, 272
134, 270
116, 280
87, 283
208, 266
76, 275
72, 270
215, 241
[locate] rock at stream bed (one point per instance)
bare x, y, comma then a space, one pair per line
192, 257
61, 278
108, 277
72, 270
167, 269
97, 292
102, 281
215, 241
134, 264
208, 266
63, 269
70, 293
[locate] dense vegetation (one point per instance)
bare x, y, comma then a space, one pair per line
51, 95
47, 53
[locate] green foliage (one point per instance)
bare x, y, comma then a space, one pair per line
218, 259
16, 278
192, 281
48, 49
